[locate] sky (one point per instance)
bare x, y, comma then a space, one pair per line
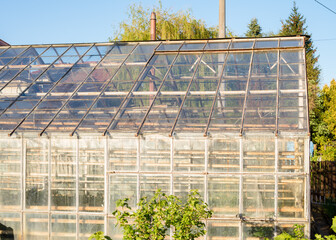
79, 21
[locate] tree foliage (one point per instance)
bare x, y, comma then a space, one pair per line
254, 29
296, 25
324, 126
154, 217
169, 25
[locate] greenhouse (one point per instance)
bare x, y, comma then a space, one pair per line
83, 125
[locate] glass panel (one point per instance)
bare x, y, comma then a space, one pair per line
10, 54
35, 92
195, 113
114, 231
121, 187
266, 43
224, 155
149, 184
91, 174
2, 49
292, 70
217, 45
291, 42
258, 196
169, 46
10, 226
63, 174
184, 184
260, 112
189, 155
63, 227
258, 231
293, 112
241, 44
36, 226
193, 46
10, 173
289, 228
123, 154
259, 154
223, 195
227, 113
291, 202
89, 225
291, 154
155, 153
37, 173
220, 230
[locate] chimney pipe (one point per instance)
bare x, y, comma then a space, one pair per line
153, 26
222, 13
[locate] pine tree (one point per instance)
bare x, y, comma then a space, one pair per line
296, 25
254, 29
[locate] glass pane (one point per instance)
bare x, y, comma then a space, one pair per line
293, 112
122, 186
63, 174
89, 225
241, 44
10, 54
10, 173
291, 154
258, 196
259, 154
260, 112
291, 42
258, 231
36, 226
224, 155
193, 46
189, 155
149, 184
37, 173
223, 195
266, 43
195, 113
123, 154
184, 184
227, 113
220, 230
169, 46
114, 231
291, 191
217, 45
63, 227
155, 153
10, 226
91, 174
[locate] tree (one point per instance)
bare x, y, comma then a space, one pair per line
254, 29
296, 25
324, 126
153, 218
169, 25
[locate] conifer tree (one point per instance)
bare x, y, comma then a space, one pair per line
296, 25
254, 29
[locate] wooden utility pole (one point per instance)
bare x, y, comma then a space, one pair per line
222, 13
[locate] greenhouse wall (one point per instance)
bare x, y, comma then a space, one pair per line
63, 187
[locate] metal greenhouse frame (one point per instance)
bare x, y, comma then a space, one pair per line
83, 125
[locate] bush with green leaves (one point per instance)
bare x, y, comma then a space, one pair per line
298, 234
154, 218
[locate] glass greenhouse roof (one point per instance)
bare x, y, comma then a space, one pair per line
228, 85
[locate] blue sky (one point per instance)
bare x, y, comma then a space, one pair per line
66, 21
